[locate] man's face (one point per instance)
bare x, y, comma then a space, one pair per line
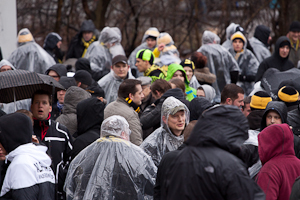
54, 75
61, 96
176, 122
3, 153
178, 74
237, 45
87, 36
200, 93
284, 51
138, 96
246, 110
141, 65
5, 68
294, 36
59, 44
151, 42
189, 72
146, 91
239, 102
121, 70
273, 117
41, 107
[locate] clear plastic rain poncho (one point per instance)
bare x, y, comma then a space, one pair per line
162, 140
110, 84
132, 58
111, 168
220, 62
229, 31
261, 51
248, 66
170, 53
101, 52
29, 55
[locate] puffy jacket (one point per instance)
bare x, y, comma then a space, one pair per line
210, 160
280, 165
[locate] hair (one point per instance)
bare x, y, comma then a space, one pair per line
247, 100
41, 92
231, 91
82, 85
199, 60
128, 86
160, 85
188, 129
178, 83
26, 112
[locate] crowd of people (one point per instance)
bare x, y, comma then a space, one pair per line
153, 126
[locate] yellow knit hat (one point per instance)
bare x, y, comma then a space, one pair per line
288, 94
238, 35
260, 100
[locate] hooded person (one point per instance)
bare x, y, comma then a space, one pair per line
168, 137
220, 63
84, 64
280, 165
148, 42
210, 159
259, 42
246, 60
208, 92
127, 172
6, 65
56, 71
82, 40
101, 52
29, 175
73, 96
52, 45
90, 113
198, 106
279, 60
29, 55
177, 71
230, 30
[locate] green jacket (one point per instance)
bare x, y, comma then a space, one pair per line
191, 93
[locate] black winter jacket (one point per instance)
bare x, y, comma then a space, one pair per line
90, 113
274, 61
208, 167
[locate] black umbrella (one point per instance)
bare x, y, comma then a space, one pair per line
21, 84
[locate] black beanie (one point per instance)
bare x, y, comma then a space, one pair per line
83, 77
67, 82
15, 130
295, 26
288, 94
188, 63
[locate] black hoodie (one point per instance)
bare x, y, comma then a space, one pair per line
60, 69
208, 167
197, 106
275, 61
84, 64
262, 33
90, 113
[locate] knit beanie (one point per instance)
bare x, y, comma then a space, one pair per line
146, 54
67, 82
24, 36
83, 77
260, 100
295, 26
188, 63
288, 94
238, 35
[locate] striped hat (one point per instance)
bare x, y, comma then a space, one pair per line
146, 54
260, 100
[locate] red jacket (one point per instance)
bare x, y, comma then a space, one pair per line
280, 165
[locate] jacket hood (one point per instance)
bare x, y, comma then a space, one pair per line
110, 35
277, 45
197, 106
51, 41
152, 31
171, 106
209, 91
209, 37
6, 62
262, 33
83, 64
275, 140
15, 130
90, 113
60, 69
279, 107
73, 96
172, 69
231, 30
24, 36
229, 134
165, 38
176, 92
87, 25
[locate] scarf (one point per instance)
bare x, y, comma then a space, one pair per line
87, 44
59, 106
133, 105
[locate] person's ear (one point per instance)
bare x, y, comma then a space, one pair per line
78, 84
164, 119
229, 101
130, 96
